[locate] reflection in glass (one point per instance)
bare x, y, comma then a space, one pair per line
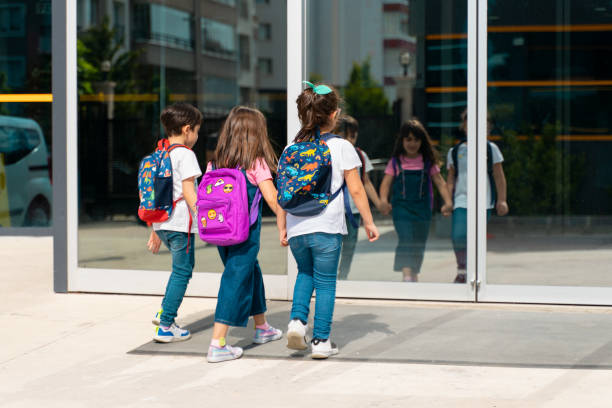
136, 59
394, 61
548, 86
25, 127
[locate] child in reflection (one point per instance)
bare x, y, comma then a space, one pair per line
181, 123
411, 173
348, 128
244, 143
456, 181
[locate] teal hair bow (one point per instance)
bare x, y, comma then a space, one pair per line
319, 89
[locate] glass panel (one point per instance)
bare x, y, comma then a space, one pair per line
395, 61
549, 82
25, 122
135, 58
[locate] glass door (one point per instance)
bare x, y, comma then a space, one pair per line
546, 84
402, 68
134, 59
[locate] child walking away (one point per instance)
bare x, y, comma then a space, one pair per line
315, 173
411, 173
243, 144
181, 123
456, 180
348, 128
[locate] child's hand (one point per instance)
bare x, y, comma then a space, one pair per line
282, 235
502, 208
371, 232
385, 208
447, 209
154, 243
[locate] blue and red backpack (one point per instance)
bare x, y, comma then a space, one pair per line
155, 187
305, 175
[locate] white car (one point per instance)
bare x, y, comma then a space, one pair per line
25, 174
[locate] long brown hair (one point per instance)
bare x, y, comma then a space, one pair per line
314, 111
415, 128
243, 140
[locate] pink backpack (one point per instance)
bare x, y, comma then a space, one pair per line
224, 217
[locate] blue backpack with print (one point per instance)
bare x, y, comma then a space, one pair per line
305, 175
155, 186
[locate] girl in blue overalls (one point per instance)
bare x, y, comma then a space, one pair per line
411, 173
244, 143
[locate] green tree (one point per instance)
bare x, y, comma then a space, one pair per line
363, 96
542, 178
98, 46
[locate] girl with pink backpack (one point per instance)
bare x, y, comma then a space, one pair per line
243, 145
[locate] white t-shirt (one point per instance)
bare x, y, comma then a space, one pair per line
460, 199
331, 219
184, 166
368, 168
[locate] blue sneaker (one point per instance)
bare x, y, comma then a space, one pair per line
225, 353
171, 334
157, 319
270, 334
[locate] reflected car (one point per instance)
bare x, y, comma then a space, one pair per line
25, 174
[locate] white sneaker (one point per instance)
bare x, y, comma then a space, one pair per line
225, 353
171, 334
323, 348
296, 335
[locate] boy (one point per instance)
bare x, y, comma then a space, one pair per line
457, 185
181, 123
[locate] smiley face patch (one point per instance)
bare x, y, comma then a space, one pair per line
212, 214
228, 188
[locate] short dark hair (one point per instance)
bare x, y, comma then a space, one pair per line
175, 116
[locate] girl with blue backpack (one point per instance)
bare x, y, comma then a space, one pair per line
411, 173
315, 175
243, 144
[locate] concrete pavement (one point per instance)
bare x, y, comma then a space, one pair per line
71, 350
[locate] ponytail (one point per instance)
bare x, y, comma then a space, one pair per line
314, 110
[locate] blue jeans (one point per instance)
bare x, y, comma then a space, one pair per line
182, 269
349, 242
241, 293
459, 236
317, 256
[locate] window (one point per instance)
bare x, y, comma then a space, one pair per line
263, 1
12, 20
231, 3
265, 66
220, 93
163, 25
265, 31
218, 38
245, 53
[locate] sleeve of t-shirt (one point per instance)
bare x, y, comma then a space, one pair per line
391, 169
187, 165
368, 163
497, 155
208, 167
449, 159
350, 159
259, 172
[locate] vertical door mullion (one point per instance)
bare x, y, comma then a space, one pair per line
482, 134
295, 66
472, 92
